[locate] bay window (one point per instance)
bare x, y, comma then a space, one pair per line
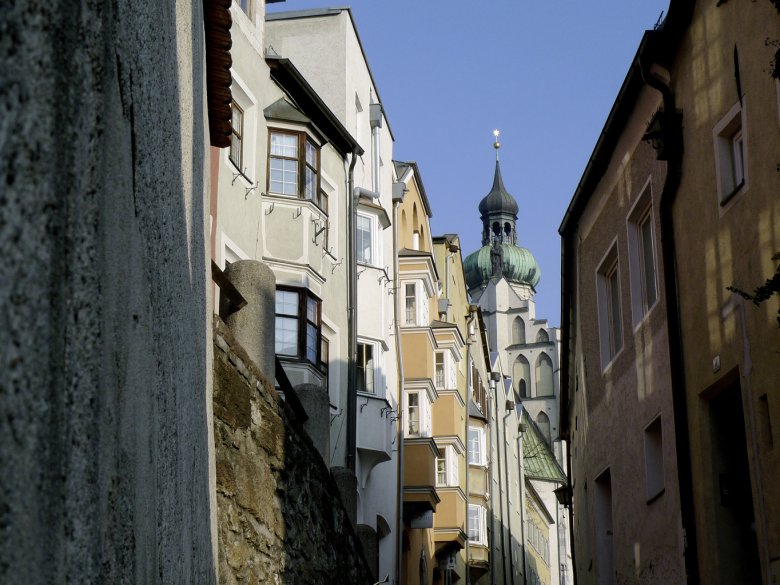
365, 368
294, 165
447, 467
477, 524
298, 324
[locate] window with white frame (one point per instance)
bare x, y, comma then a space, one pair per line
477, 524
298, 324
538, 540
642, 257
610, 315
416, 312
418, 414
366, 376
413, 409
476, 441
439, 370
410, 303
447, 467
730, 153
365, 239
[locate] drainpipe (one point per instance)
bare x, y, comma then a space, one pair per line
521, 430
469, 322
506, 481
352, 318
671, 129
492, 386
568, 289
398, 194
492, 506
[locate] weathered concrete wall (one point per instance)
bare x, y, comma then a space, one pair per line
103, 312
279, 514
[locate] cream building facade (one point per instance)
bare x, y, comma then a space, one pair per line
325, 46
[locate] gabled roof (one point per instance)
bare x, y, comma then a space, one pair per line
538, 460
310, 104
403, 167
317, 12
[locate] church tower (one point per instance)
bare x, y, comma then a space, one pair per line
502, 278
500, 256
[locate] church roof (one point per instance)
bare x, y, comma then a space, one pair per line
498, 200
519, 266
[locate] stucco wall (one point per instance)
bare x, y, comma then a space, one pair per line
280, 517
103, 385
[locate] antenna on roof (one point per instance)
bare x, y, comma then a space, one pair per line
658, 22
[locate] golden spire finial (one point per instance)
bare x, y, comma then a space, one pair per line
496, 144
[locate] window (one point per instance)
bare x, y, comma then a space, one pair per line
410, 297
365, 368
413, 414
544, 376
246, 6
610, 323
439, 370
236, 153
477, 446
286, 166
521, 373
477, 524
730, 153
298, 320
543, 422
518, 331
364, 239
654, 459
322, 201
415, 304
641, 246
447, 467
538, 540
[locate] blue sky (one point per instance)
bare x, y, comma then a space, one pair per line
545, 73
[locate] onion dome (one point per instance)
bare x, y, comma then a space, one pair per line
500, 256
518, 266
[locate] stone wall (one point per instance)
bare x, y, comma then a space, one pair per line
104, 322
280, 518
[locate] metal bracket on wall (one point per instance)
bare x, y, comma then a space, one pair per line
270, 209
297, 213
336, 265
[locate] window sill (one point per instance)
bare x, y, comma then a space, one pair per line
645, 316
733, 193
655, 497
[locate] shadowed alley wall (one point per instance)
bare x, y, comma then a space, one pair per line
104, 360
280, 516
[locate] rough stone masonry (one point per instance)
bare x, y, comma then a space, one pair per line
280, 518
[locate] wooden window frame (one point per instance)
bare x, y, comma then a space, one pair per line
302, 166
304, 295
238, 134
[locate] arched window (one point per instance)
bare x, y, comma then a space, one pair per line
542, 336
521, 374
518, 330
543, 422
544, 376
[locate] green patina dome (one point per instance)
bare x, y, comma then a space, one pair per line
519, 266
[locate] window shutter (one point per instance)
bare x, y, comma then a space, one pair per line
423, 302
451, 373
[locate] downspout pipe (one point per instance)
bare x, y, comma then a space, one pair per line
500, 499
522, 498
568, 290
352, 318
400, 420
508, 508
671, 130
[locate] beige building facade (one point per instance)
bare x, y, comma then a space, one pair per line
652, 333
